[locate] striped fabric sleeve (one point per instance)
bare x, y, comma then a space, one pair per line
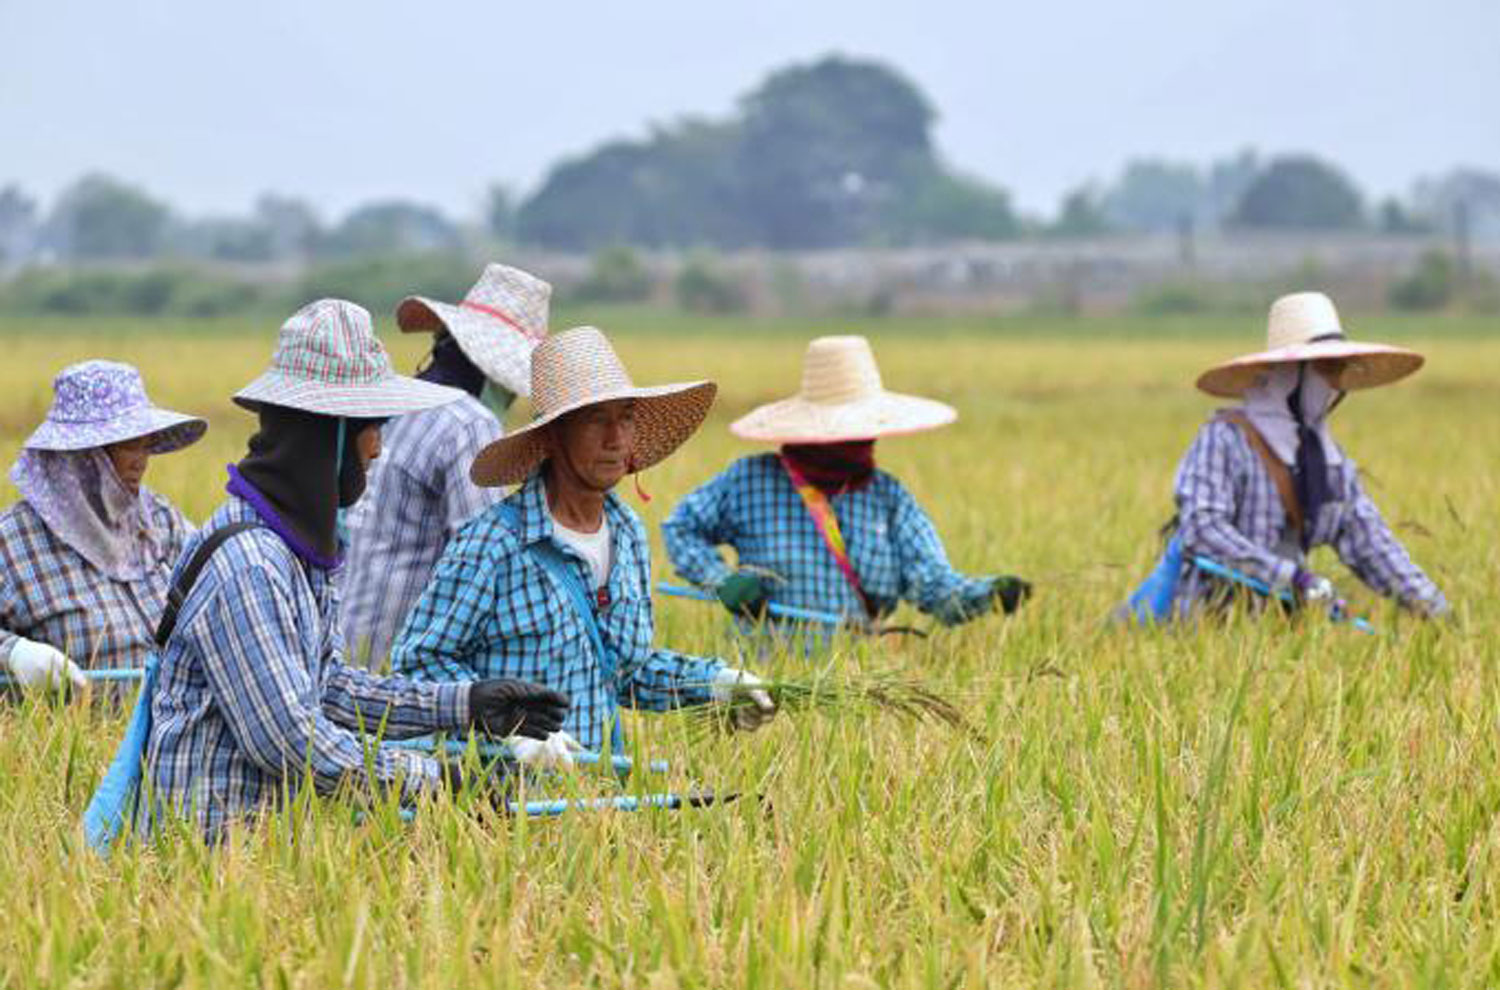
695, 529
462, 500
928, 581
255, 666
398, 707
1368, 547
177, 527
8, 614
659, 680
449, 620
1212, 471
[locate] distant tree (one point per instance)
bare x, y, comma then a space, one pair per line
1300, 192
1225, 186
1472, 192
290, 224
393, 227
616, 275
18, 225
100, 218
1155, 195
500, 213
946, 206
1395, 218
823, 145
224, 239
1081, 215
1430, 285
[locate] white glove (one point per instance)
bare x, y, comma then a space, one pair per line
553, 753
747, 717
39, 665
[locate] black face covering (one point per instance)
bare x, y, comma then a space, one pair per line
292, 463
1310, 473
449, 365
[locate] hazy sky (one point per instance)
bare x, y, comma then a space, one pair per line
208, 103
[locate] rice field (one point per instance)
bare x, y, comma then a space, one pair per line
1247, 804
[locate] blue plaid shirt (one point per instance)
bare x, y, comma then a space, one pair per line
1228, 510
418, 496
251, 692
50, 594
492, 610
892, 544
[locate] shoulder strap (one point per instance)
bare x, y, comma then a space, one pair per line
827, 525
189, 577
1281, 475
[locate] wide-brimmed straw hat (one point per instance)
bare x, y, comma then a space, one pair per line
329, 361
97, 403
579, 368
498, 324
1304, 326
842, 398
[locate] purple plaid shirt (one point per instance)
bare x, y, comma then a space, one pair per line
419, 495
252, 693
49, 593
1228, 509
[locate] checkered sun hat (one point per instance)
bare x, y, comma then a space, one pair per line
579, 368
328, 361
98, 403
498, 324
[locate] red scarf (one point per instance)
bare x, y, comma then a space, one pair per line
834, 468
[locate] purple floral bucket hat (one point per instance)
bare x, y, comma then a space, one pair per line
97, 403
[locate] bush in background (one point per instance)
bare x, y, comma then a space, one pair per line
1431, 285
615, 275
702, 286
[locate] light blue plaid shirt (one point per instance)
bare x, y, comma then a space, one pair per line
492, 610
892, 544
418, 496
251, 691
1228, 510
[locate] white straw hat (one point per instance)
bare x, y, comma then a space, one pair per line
842, 398
497, 325
1304, 326
329, 361
579, 368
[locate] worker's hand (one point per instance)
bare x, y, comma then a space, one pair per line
749, 706
1312, 587
745, 595
553, 753
37, 665
503, 707
1010, 591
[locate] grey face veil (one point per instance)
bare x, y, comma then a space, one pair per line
1289, 406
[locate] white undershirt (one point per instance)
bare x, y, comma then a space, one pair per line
594, 547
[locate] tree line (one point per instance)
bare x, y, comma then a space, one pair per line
832, 153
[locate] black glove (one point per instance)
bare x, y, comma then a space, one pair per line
745, 595
504, 707
1010, 591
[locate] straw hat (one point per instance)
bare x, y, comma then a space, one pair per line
579, 368
497, 325
98, 403
328, 361
1305, 326
842, 398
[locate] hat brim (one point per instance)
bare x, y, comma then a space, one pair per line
503, 357
1369, 366
885, 414
169, 432
393, 395
665, 417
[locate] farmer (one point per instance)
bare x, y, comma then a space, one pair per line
816, 525
419, 492
252, 694
554, 583
1264, 483
86, 553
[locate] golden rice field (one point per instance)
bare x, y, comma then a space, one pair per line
1246, 804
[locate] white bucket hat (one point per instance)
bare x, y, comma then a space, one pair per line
1304, 326
328, 361
498, 324
579, 368
842, 398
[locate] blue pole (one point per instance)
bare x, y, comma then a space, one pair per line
104, 674
553, 807
457, 747
1335, 611
780, 611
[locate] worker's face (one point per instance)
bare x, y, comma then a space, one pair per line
129, 459
596, 444
1332, 371
367, 445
